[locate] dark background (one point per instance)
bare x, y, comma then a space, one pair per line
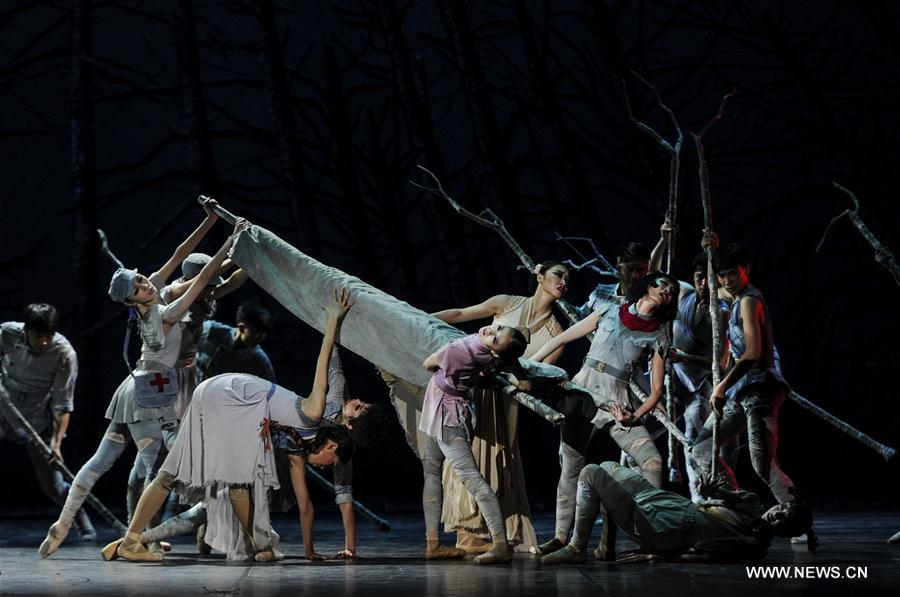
309, 118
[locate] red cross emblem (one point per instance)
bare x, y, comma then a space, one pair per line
160, 382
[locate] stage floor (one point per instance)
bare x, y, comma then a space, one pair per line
391, 565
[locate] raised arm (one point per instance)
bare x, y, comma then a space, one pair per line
160, 276
490, 308
659, 251
231, 283
314, 405
176, 309
579, 330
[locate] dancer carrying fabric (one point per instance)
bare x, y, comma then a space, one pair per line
495, 445
731, 526
160, 328
224, 450
623, 334
367, 424
38, 368
202, 309
447, 423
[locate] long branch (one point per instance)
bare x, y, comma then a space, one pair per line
883, 255
490, 220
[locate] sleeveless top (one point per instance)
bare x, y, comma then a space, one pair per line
542, 329
764, 370
693, 335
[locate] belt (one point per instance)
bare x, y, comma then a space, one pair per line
601, 367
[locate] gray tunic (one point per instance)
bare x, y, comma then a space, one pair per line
159, 351
37, 384
624, 349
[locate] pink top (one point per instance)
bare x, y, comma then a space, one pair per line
459, 364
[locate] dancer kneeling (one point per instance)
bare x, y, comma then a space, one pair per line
446, 420
732, 526
225, 441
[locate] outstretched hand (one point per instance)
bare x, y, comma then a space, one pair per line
340, 304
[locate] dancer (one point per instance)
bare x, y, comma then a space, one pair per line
633, 262
733, 526
752, 391
160, 330
495, 444
38, 368
623, 336
226, 349
446, 420
692, 361
202, 309
224, 450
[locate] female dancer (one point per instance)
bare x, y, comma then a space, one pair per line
623, 335
160, 329
224, 450
496, 442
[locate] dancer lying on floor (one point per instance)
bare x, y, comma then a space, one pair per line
446, 420
733, 526
225, 442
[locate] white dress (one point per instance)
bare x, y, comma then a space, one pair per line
220, 445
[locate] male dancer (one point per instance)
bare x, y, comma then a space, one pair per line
752, 391
38, 368
692, 362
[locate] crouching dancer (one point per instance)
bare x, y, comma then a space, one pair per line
224, 449
447, 421
733, 525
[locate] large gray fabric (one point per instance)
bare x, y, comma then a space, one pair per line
391, 334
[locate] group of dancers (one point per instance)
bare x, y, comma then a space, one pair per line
209, 422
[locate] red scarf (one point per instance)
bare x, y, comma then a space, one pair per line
635, 323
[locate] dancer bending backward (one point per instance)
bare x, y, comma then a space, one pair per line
731, 525
623, 335
160, 329
496, 442
447, 423
202, 309
225, 442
